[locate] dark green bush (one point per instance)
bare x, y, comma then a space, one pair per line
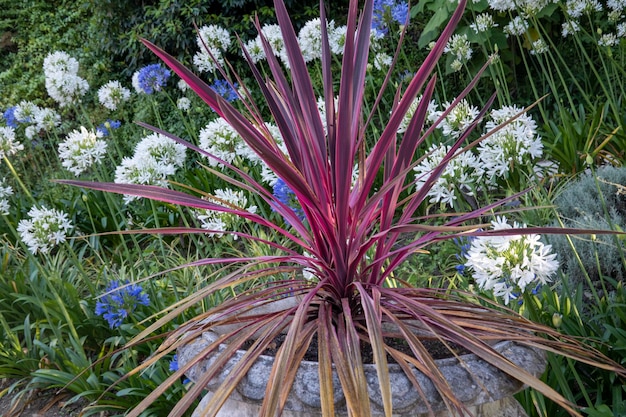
120, 24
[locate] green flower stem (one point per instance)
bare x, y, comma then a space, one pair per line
18, 179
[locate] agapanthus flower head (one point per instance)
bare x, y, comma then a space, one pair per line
8, 144
386, 13
25, 112
220, 139
162, 149
60, 61
156, 157
578, 8
608, 40
151, 78
219, 223
461, 175
430, 116
81, 149
104, 129
483, 23
5, 192
46, 119
459, 47
502, 5
517, 143
112, 94
61, 78
45, 229
382, 61
310, 38
285, 195
183, 104
145, 171
255, 50
539, 47
337, 39
217, 40
120, 301
510, 265
460, 118
569, 28
516, 27
9, 117
225, 89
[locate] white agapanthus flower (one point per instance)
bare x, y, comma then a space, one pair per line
431, 113
621, 30
61, 78
460, 176
459, 118
310, 38
483, 23
616, 5
510, 265
219, 139
8, 144
254, 47
459, 47
135, 83
156, 157
45, 229
5, 192
218, 222
502, 5
539, 47
516, 27
145, 171
112, 94
81, 149
569, 28
217, 40
337, 39
608, 40
382, 61
578, 8
26, 111
46, 119
183, 103
516, 143
60, 61
182, 85
166, 152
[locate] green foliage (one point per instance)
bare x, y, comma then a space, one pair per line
599, 393
38, 28
121, 24
593, 200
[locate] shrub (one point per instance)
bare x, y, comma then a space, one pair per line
597, 201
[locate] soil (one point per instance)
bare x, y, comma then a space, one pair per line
36, 403
436, 349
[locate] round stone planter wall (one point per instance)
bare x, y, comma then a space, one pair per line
485, 390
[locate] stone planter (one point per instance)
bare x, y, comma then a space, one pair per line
486, 391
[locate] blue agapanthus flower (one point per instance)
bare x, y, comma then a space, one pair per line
106, 127
174, 363
224, 89
285, 195
152, 78
387, 12
119, 303
9, 117
464, 244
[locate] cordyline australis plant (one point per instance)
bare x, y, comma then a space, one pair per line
359, 207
